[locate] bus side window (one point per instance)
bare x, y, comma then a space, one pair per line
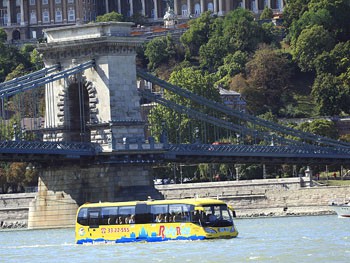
108, 215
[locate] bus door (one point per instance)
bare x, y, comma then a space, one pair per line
143, 213
93, 221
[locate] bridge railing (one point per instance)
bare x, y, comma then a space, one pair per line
39, 147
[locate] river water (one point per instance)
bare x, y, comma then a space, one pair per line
283, 239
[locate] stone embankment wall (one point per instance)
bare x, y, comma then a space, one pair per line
14, 210
271, 197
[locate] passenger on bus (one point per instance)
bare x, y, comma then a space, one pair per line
185, 217
132, 219
120, 220
212, 218
159, 218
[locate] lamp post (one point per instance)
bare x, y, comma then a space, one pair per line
308, 173
237, 136
14, 126
23, 133
196, 132
164, 136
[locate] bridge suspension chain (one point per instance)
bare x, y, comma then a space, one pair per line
244, 116
29, 77
23, 85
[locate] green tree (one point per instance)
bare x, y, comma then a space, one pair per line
328, 94
310, 44
110, 17
36, 60
180, 125
269, 78
212, 53
241, 31
294, 10
267, 13
16, 175
339, 22
3, 35
10, 58
199, 32
320, 127
233, 65
159, 50
309, 18
340, 56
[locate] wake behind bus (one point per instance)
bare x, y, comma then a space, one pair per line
154, 220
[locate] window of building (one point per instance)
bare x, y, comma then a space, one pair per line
18, 2
46, 16
211, 7
184, 10
197, 9
18, 18
5, 3
33, 34
31, 2
70, 1
71, 14
278, 4
58, 15
33, 19
5, 19
57, 1
45, 2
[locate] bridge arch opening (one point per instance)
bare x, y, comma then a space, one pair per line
78, 112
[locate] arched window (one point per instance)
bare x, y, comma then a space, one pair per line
210, 7
16, 35
184, 10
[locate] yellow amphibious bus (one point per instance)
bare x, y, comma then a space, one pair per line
156, 220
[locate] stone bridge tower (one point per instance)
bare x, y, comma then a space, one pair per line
99, 105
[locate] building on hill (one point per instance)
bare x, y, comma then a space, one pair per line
194, 8
233, 99
25, 19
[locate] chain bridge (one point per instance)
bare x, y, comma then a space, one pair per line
90, 141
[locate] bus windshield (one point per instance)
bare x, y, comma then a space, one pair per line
214, 216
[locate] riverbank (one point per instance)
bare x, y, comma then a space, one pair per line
265, 198
291, 211
251, 198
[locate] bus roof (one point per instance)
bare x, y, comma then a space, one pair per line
190, 201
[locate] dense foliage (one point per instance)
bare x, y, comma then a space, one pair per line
301, 69
16, 62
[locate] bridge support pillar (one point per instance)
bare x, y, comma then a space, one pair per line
62, 190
